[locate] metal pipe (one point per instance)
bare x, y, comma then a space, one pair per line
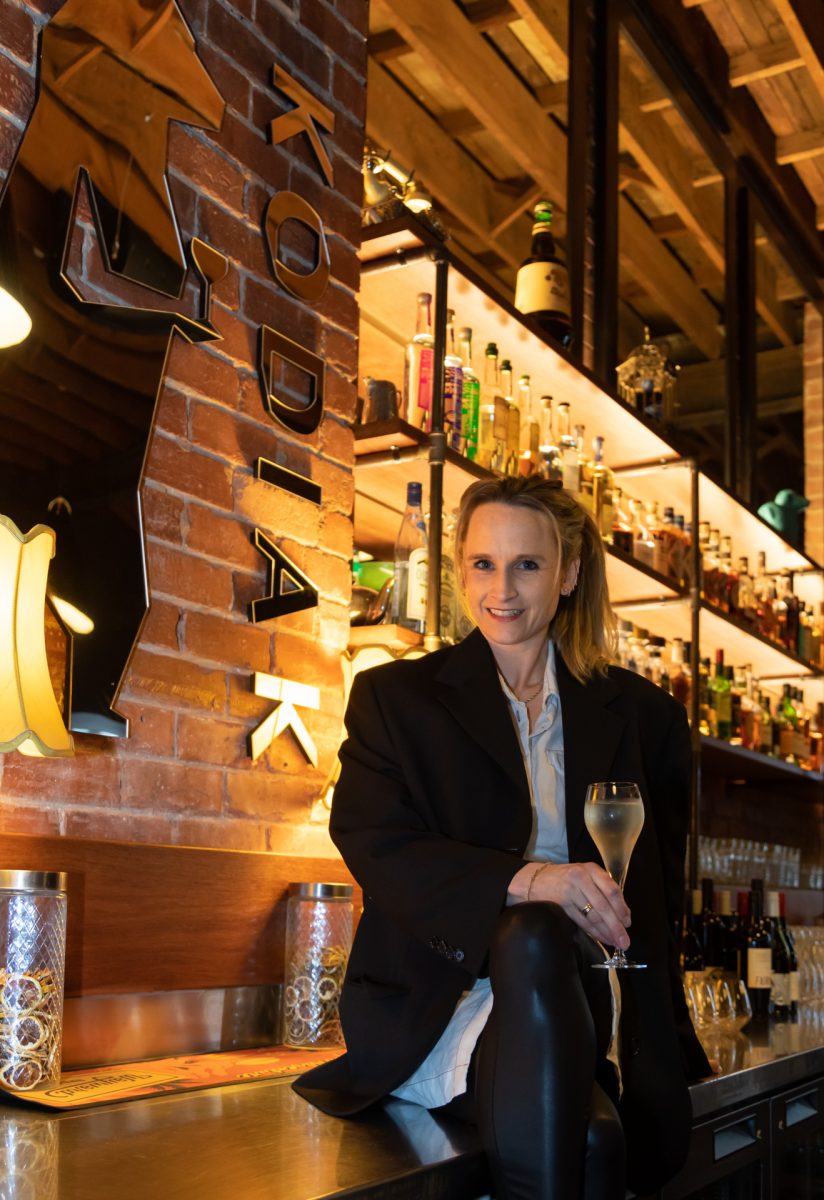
695, 665
437, 454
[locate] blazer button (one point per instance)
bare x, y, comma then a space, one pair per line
459, 956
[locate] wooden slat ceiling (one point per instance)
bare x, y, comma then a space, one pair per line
472, 96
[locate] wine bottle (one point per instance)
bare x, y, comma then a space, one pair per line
759, 956
780, 999
722, 699
542, 285
411, 564
691, 954
732, 949
712, 929
795, 983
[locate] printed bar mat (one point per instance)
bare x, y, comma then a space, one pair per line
164, 1076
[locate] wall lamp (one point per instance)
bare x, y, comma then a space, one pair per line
30, 719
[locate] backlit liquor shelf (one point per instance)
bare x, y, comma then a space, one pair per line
397, 264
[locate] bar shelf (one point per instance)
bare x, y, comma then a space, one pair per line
732, 761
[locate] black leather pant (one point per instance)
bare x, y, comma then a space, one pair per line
549, 1128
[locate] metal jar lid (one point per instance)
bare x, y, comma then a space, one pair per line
321, 891
32, 881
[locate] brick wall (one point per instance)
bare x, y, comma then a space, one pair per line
184, 775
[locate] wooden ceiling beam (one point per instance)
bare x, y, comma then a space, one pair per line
549, 22
775, 313
803, 22
796, 147
552, 98
453, 177
443, 36
773, 58
484, 14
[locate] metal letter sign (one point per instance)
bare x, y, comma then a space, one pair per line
289, 589
288, 693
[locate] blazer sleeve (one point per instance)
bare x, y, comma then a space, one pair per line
444, 892
671, 799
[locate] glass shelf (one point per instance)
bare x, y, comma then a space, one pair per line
733, 762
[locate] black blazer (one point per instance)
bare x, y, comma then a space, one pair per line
432, 815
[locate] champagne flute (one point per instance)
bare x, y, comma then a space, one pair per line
614, 816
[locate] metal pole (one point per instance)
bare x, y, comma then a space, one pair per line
695, 669
437, 454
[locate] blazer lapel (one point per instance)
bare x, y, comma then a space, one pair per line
474, 697
592, 732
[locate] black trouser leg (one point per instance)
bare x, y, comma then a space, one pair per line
546, 1126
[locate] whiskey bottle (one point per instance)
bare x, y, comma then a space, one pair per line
568, 447
621, 532
470, 395
513, 420
551, 466
419, 367
530, 443
491, 439
452, 388
542, 285
602, 489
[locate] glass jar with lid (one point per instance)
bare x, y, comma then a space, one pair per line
318, 940
32, 971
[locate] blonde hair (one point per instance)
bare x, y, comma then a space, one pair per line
583, 627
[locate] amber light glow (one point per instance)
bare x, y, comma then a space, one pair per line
15, 322
30, 719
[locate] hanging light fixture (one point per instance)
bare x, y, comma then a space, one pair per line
388, 185
416, 197
30, 719
646, 381
15, 322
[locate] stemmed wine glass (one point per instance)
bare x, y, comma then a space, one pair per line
614, 816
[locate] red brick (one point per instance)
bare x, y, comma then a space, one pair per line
332, 576
84, 779
151, 730
341, 394
338, 485
221, 834
348, 45
247, 142
231, 234
302, 659
349, 89
181, 468
171, 786
338, 441
274, 510
161, 626
223, 743
304, 58
16, 87
344, 262
209, 170
259, 792
223, 432
118, 827
162, 514
175, 573
337, 534
221, 537
10, 137
19, 31
170, 677
172, 415
238, 338
19, 817
221, 641
341, 350
269, 304
304, 840
203, 371
243, 702
340, 307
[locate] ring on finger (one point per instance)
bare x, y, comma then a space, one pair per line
586, 910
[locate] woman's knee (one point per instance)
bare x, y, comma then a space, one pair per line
537, 936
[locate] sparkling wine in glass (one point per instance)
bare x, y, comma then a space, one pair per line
614, 816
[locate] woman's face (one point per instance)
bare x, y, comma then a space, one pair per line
511, 574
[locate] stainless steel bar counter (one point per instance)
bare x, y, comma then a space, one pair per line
255, 1140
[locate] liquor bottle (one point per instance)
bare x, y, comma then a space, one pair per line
691, 953
795, 983
568, 447
746, 606
411, 563
513, 420
490, 446
759, 955
449, 599
584, 490
452, 388
735, 708
780, 998
713, 933
711, 568
679, 679
621, 532
767, 739
683, 556
732, 949
761, 586
728, 579
419, 367
529, 458
663, 538
654, 529
602, 489
792, 606
542, 285
706, 709
722, 699
786, 720
551, 464
470, 395
642, 542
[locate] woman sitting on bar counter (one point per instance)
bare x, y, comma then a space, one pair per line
460, 811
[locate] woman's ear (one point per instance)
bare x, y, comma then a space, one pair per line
570, 578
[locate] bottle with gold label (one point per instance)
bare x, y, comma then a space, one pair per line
602, 489
513, 420
542, 285
491, 439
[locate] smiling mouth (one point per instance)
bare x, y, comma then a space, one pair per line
504, 612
